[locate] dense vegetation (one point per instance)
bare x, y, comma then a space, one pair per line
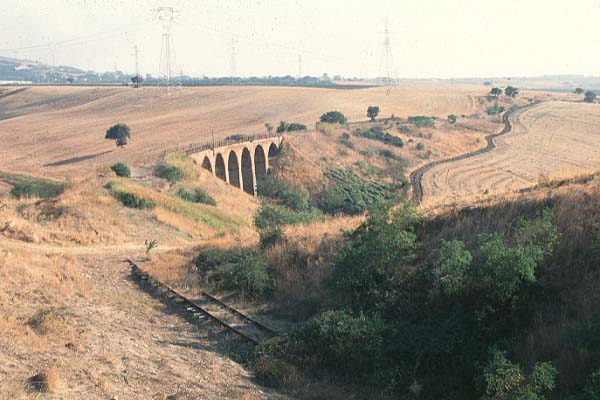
129, 199
422, 121
495, 109
28, 186
293, 127
333, 117
121, 169
169, 172
461, 307
199, 195
351, 195
376, 133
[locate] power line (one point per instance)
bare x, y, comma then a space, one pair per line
233, 61
167, 50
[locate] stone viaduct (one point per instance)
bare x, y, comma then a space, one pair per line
239, 161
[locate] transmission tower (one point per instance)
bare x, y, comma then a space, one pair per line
387, 68
167, 51
233, 62
299, 66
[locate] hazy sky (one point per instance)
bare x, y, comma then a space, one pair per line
429, 38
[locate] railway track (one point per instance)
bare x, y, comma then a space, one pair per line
208, 307
416, 177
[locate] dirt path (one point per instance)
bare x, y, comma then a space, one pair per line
549, 140
108, 338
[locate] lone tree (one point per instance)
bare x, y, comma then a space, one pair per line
579, 91
333, 117
495, 92
511, 91
590, 97
119, 133
137, 81
269, 128
373, 112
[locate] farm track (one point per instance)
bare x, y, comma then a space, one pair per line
211, 308
416, 177
3, 95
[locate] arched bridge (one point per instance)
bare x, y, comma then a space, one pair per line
238, 161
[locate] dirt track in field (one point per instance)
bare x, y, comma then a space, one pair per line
549, 140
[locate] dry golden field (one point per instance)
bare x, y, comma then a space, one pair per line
548, 141
56, 131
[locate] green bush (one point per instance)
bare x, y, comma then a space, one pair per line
333, 117
198, 196
421, 121
495, 109
450, 266
589, 97
249, 276
452, 118
298, 199
26, 186
337, 339
368, 266
272, 215
169, 172
345, 140
377, 133
420, 146
271, 236
352, 195
121, 169
506, 381
294, 127
132, 201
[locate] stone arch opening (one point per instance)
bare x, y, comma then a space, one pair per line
260, 161
220, 167
273, 150
206, 164
247, 176
234, 169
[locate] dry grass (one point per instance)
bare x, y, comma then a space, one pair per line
77, 118
547, 142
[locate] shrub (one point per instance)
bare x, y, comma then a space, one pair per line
249, 276
298, 199
198, 196
506, 381
345, 140
351, 195
276, 373
369, 265
132, 201
378, 134
421, 121
294, 126
495, 109
121, 169
26, 186
420, 146
271, 236
337, 339
333, 117
283, 127
271, 215
169, 172
452, 118
450, 266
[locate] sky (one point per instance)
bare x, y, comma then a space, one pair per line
428, 38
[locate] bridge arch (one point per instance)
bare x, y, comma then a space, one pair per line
273, 150
247, 172
260, 161
220, 170
233, 167
207, 164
